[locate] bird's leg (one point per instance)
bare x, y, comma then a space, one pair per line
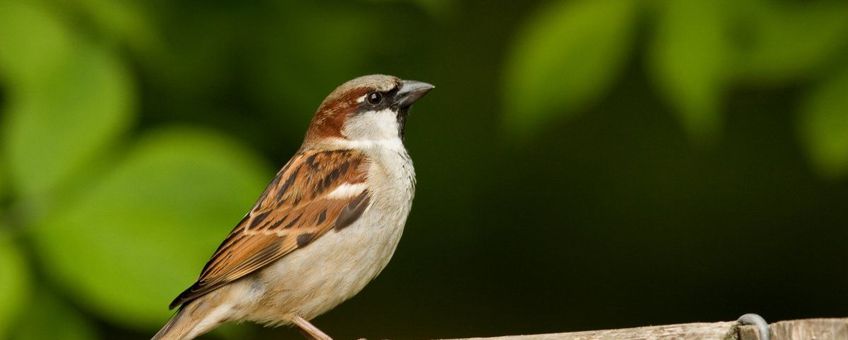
309, 330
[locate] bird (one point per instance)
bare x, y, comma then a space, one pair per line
324, 227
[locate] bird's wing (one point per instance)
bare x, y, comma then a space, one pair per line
314, 192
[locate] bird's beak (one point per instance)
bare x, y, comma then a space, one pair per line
410, 91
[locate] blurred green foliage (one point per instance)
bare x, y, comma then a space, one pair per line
140, 195
55, 321
566, 58
692, 33
824, 124
14, 282
135, 134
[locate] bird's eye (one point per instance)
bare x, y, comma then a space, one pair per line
374, 98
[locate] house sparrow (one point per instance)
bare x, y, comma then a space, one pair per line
325, 226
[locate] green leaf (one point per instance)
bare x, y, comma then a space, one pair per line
141, 235
824, 125
34, 42
14, 283
689, 62
58, 125
49, 318
786, 40
122, 20
565, 58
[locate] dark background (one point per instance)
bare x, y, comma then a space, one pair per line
695, 170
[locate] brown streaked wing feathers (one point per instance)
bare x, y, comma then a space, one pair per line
292, 212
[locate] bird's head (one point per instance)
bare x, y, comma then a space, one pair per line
367, 109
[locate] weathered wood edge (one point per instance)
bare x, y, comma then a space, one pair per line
818, 329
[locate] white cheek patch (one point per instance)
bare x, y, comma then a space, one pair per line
372, 126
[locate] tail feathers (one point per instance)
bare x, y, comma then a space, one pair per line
168, 331
191, 321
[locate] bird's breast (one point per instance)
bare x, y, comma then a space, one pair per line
337, 265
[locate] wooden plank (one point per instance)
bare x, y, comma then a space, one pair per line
715, 330
812, 329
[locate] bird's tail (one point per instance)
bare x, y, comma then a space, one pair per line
191, 320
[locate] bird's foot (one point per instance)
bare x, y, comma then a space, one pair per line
309, 330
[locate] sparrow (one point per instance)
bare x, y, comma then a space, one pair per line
325, 226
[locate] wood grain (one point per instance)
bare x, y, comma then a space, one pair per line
812, 329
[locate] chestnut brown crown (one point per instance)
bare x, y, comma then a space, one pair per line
373, 102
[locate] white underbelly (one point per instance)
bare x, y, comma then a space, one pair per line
337, 265
332, 269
